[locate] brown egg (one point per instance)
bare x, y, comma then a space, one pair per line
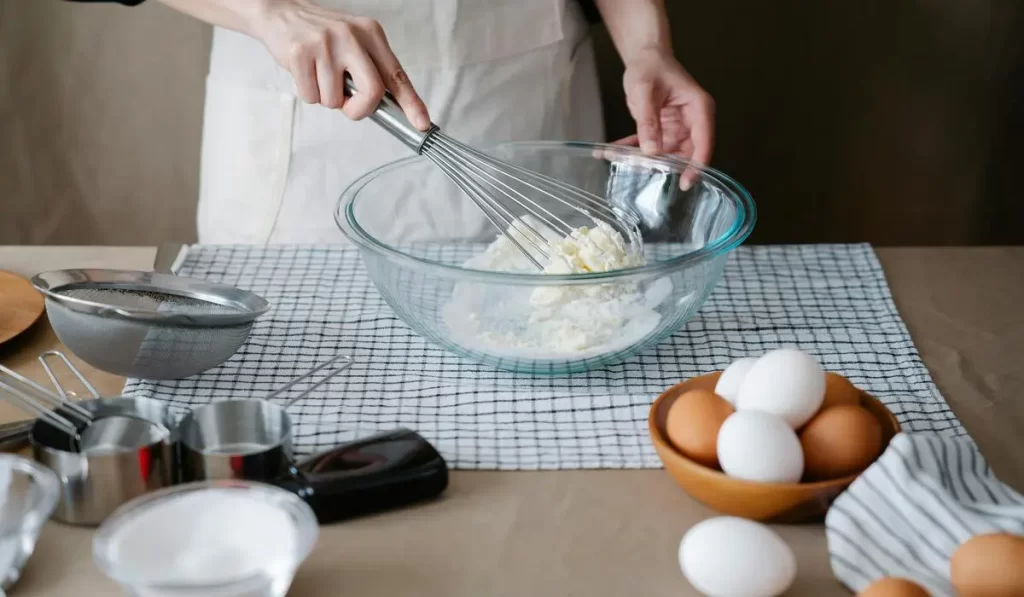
839, 390
840, 441
707, 382
891, 586
990, 565
693, 422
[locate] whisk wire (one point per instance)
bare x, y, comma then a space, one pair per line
513, 220
550, 219
593, 200
494, 186
492, 209
484, 179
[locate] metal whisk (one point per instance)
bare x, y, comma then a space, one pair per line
500, 189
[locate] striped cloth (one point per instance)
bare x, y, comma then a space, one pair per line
911, 509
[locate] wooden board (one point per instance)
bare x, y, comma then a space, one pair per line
20, 305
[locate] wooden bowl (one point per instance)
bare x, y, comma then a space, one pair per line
765, 502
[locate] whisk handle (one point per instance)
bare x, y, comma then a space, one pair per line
390, 117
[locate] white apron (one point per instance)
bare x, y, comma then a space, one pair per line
489, 71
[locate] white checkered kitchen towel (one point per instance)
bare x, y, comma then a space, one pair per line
830, 300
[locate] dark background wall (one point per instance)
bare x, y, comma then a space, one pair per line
890, 121
896, 122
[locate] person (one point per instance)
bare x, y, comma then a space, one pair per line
277, 150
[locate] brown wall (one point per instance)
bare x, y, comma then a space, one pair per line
101, 109
888, 121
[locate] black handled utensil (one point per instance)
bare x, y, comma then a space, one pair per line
384, 471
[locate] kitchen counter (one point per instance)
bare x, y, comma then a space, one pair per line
591, 533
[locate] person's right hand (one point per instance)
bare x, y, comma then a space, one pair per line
318, 45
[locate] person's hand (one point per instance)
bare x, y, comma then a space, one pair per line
318, 45
673, 114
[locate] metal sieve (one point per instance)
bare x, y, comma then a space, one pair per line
147, 325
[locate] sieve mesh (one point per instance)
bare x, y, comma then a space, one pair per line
141, 349
148, 300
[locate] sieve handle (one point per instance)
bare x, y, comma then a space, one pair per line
390, 116
341, 363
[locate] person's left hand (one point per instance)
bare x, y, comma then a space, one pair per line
673, 114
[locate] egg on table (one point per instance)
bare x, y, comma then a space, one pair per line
760, 446
727, 555
891, 586
989, 565
786, 382
840, 441
693, 422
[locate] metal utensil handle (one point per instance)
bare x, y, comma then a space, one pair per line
166, 257
389, 116
345, 362
69, 365
14, 436
44, 395
28, 403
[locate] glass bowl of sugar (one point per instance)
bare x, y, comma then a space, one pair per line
28, 496
215, 539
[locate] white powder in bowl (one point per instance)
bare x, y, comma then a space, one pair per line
211, 536
555, 322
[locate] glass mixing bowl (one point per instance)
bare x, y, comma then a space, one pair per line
416, 230
28, 497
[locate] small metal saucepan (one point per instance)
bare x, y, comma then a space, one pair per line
130, 455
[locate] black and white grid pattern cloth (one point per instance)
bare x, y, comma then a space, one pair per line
830, 300
908, 512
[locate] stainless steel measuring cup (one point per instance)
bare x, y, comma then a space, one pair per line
84, 430
94, 483
243, 439
251, 440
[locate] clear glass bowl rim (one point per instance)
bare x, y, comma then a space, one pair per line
40, 511
308, 529
733, 237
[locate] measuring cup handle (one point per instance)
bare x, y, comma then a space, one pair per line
14, 436
43, 360
381, 472
340, 362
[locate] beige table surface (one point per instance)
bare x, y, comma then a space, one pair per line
594, 533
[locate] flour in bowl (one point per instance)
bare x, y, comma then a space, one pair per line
213, 537
564, 321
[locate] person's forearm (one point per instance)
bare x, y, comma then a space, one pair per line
636, 26
239, 15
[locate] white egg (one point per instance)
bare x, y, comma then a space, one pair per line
728, 385
760, 446
732, 557
786, 382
